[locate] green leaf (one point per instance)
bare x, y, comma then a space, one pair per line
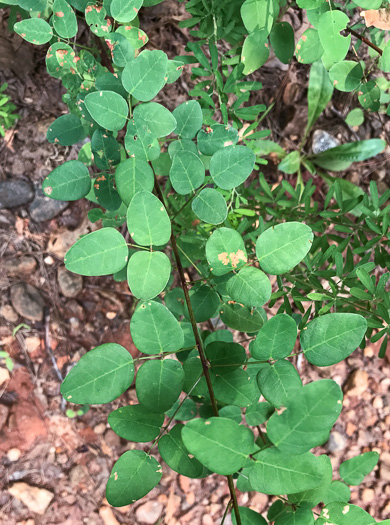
145, 76
278, 473
205, 301
159, 383
157, 119
308, 418
134, 35
70, 181
189, 118
225, 251
331, 338
369, 95
309, 48
59, 59
105, 149
319, 93
185, 145
280, 248
102, 252
122, 51
384, 62
95, 16
66, 131
132, 477
290, 163
154, 329
106, 194
339, 513
329, 26
368, 4
302, 516
28, 5
355, 117
210, 206
279, 381
258, 413
231, 166
346, 75
176, 456
148, 274
276, 338
147, 220
231, 412
174, 70
259, 14
187, 172
354, 470
310, 4
248, 517
312, 497
125, 10
216, 137
236, 388
35, 30
282, 41
140, 143
183, 411
222, 445
225, 357
337, 491
101, 375
341, 157
135, 423
250, 286
242, 318
64, 19
255, 51
108, 109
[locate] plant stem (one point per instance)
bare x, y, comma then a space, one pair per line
365, 40
199, 344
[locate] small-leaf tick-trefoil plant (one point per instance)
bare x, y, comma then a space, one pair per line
208, 405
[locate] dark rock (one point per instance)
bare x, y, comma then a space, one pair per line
15, 193
43, 208
21, 265
27, 301
322, 141
70, 283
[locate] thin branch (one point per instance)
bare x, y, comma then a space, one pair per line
365, 40
199, 344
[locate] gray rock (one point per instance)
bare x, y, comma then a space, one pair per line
149, 512
337, 442
8, 313
27, 301
21, 265
70, 283
15, 193
322, 141
43, 208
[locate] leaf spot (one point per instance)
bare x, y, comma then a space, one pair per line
48, 190
116, 476
346, 509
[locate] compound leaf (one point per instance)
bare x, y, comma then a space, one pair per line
231, 166
145, 76
282, 247
69, 181
108, 109
101, 252
331, 338
147, 220
136, 423
132, 477
148, 274
155, 329
308, 418
276, 339
354, 470
159, 383
221, 444
101, 375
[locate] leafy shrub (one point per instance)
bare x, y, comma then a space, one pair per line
7, 115
322, 257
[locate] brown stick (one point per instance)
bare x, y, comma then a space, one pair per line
365, 40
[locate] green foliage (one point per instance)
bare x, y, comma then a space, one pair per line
7, 115
319, 267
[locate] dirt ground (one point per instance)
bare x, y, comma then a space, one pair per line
53, 468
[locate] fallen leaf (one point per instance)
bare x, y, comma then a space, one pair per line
379, 18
